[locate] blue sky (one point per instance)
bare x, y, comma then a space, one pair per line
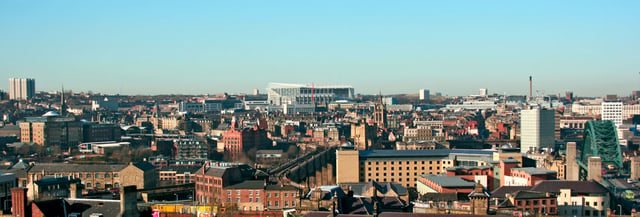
198, 47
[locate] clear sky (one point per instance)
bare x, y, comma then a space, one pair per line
198, 47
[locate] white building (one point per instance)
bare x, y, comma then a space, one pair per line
424, 94
107, 104
281, 94
473, 105
21, 88
484, 92
537, 129
612, 111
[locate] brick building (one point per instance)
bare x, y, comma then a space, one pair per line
210, 182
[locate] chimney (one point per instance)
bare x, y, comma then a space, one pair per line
129, 202
19, 203
75, 190
530, 87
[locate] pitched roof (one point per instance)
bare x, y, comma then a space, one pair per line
382, 187
144, 166
502, 191
89, 206
580, 187
249, 184
529, 194
181, 169
61, 167
214, 171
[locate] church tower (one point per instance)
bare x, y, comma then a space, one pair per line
380, 113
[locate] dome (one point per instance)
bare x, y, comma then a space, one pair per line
51, 114
347, 144
506, 146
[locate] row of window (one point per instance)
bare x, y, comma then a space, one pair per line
99, 185
408, 162
400, 168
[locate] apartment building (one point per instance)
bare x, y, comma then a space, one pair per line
402, 166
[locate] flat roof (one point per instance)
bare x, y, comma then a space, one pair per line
449, 181
424, 153
535, 170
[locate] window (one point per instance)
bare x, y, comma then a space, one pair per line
238, 200
286, 203
88, 175
595, 203
88, 184
257, 192
276, 196
250, 192
117, 185
106, 175
587, 212
98, 176
293, 203
535, 202
277, 204
268, 203
544, 202
587, 203
229, 192
97, 184
257, 199
250, 199
269, 194
286, 194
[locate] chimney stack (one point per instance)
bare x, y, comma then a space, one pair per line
19, 202
129, 202
530, 87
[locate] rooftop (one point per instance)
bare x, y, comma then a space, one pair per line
424, 153
249, 184
535, 171
449, 181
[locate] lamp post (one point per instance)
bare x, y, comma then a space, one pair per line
620, 206
175, 205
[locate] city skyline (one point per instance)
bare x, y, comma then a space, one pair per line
122, 47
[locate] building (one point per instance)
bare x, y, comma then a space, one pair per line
178, 174
50, 187
281, 197
612, 111
429, 183
362, 135
424, 94
210, 182
191, 149
99, 132
390, 100
21, 88
98, 176
403, 167
282, 94
101, 147
247, 196
7, 182
51, 129
528, 176
537, 129
484, 92
106, 104
141, 174
237, 141
380, 113
557, 197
